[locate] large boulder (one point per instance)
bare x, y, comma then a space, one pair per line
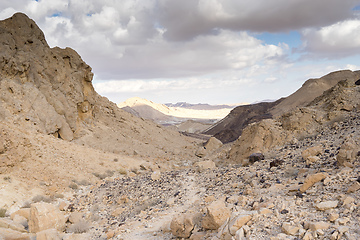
45, 216
216, 215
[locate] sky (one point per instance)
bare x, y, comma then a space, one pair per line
201, 51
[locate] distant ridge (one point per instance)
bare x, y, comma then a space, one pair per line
174, 113
199, 106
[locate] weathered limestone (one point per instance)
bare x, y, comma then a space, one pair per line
311, 180
216, 215
290, 229
182, 225
8, 223
45, 216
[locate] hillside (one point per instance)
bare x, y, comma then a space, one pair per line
231, 127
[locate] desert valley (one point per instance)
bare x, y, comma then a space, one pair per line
76, 166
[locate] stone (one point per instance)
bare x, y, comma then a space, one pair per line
212, 144
333, 217
75, 217
312, 159
25, 212
197, 236
255, 157
182, 225
216, 215
311, 180
10, 234
348, 200
8, 223
289, 229
308, 236
311, 152
45, 216
354, 187
240, 234
326, 205
347, 153
155, 175
238, 222
203, 165
20, 220
48, 234
319, 225
342, 221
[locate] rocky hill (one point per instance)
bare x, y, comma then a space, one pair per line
231, 127
52, 121
73, 166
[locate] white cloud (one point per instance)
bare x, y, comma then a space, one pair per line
340, 39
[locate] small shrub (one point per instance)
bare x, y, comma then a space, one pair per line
79, 227
109, 173
73, 186
84, 182
41, 198
2, 212
101, 176
123, 171
58, 195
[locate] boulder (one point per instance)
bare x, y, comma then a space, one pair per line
182, 225
203, 165
45, 216
10, 234
8, 223
216, 215
347, 153
48, 234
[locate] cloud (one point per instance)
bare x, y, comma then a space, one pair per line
337, 40
188, 18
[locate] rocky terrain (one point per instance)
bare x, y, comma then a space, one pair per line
75, 166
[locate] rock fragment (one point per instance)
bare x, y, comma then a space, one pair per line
311, 180
289, 229
326, 205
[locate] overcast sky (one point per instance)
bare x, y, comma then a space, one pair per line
201, 51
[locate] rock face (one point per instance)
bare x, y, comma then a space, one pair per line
36, 81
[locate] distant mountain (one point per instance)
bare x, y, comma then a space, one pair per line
230, 128
199, 106
170, 115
